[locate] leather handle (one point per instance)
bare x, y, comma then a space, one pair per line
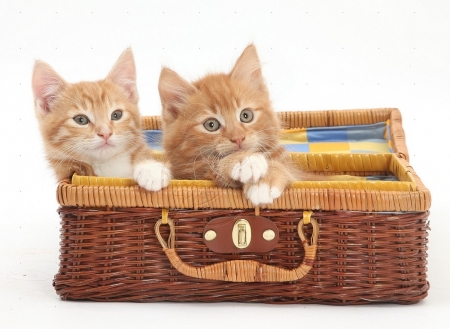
243, 270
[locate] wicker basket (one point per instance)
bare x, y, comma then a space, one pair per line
337, 242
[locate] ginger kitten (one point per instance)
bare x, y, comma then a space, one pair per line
223, 128
93, 128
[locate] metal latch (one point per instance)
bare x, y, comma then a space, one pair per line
242, 234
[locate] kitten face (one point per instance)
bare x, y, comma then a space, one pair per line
87, 121
216, 116
226, 116
91, 121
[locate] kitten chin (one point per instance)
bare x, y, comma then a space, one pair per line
93, 128
222, 127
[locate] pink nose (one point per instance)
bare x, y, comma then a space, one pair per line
105, 136
238, 141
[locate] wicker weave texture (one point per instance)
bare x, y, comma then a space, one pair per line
407, 195
372, 245
114, 255
242, 270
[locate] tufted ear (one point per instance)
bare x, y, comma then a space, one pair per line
174, 92
123, 74
47, 85
248, 68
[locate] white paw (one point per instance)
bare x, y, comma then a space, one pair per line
262, 193
152, 175
250, 169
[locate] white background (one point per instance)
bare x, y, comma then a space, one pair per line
317, 55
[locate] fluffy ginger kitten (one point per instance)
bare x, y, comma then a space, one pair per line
223, 128
93, 128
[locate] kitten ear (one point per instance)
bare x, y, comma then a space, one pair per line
123, 74
174, 92
46, 84
248, 68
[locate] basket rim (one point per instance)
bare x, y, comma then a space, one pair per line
182, 195
339, 167
345, 196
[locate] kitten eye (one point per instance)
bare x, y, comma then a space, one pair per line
116, 115
81, 119
211, 125
246, 115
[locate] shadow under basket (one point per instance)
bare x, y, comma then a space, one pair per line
341, 241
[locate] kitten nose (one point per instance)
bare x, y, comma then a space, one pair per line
105, 135
238, 140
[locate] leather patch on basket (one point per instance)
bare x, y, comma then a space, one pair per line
240, 234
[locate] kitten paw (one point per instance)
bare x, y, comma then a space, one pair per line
262, 193
152, 175
250, 169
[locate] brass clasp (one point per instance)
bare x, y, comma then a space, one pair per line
241, 234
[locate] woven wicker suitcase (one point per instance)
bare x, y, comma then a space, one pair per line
329, 242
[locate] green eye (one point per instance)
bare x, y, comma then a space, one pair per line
246, 115
81, 119
116, 115
211, 125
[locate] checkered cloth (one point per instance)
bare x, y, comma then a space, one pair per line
373, 138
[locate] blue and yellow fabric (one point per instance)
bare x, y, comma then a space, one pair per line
373, 138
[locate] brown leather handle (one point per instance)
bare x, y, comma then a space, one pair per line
242, 270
